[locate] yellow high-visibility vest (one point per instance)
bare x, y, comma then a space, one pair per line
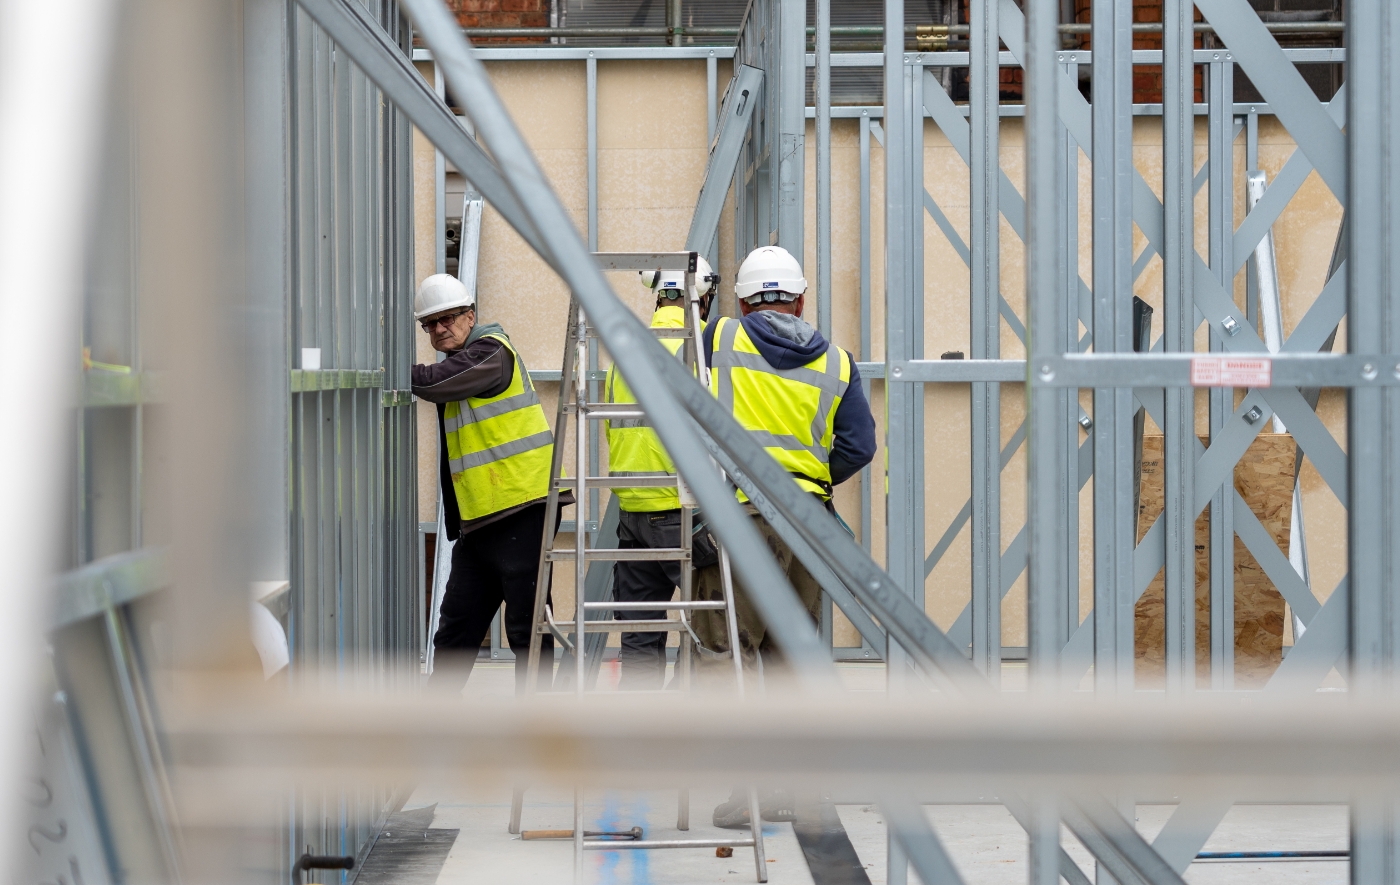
633, 447
499, 447
791, 412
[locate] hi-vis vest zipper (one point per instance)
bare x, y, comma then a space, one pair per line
633, 447
791, 412
499, 447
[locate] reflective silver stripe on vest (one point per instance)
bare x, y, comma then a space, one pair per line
829, 395
828, 382
470, 415
503, 451
790, 443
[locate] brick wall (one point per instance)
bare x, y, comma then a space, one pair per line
502, 14
1147, 79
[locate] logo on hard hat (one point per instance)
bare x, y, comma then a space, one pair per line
670, 284
771, 285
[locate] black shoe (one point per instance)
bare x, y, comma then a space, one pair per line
777, 807
733, 814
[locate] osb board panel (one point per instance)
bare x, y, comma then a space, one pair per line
1264, 478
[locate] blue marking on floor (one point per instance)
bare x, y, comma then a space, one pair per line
617, 816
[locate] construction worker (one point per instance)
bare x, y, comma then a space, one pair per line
650, 517
801, 398
496, 448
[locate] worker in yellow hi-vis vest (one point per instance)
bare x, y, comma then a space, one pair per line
495, 450
800, 397
650, 517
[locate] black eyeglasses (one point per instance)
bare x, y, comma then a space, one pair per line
429, 325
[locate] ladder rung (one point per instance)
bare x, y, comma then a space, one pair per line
663, 625
659, 332
697, 605
665, 480
604, 411
605, 554
669, 843
659, 625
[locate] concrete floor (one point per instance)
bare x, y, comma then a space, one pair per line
985, 843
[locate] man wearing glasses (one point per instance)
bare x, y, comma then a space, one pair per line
496, 448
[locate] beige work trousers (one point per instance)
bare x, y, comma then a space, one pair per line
754, 637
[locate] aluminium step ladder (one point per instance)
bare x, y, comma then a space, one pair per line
574, 400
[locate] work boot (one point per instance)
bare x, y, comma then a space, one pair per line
777, 806
774, 806
733, 813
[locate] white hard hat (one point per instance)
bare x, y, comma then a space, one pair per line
670, 283
770, 271
441, 292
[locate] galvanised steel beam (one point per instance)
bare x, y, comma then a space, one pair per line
1220, 163
1044, 268
354, 31
736, 112
791, 119
1122, 838
1114, 511
984, 85
902, 547
822, 98
1373, 429
920, 843
1179, 324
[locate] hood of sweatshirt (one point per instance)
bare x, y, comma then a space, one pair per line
784, 340
482, 329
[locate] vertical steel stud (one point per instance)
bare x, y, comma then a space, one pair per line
984, 84
1044, 275
1179, 311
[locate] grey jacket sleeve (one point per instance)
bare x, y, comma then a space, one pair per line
482, 368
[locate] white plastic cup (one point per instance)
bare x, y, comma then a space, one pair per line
311, 358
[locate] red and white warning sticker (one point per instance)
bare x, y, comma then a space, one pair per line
1231, 371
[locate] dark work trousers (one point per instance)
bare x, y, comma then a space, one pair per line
643, 660
497, 562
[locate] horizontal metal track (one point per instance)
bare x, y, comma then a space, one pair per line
312, 380
102, 389
636, 261
958, 371
1211, 370
108, 582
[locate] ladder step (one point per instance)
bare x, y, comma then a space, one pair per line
696, 605
654, 554
660, 625
669, 843
605, 411
659, 480
659, 332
